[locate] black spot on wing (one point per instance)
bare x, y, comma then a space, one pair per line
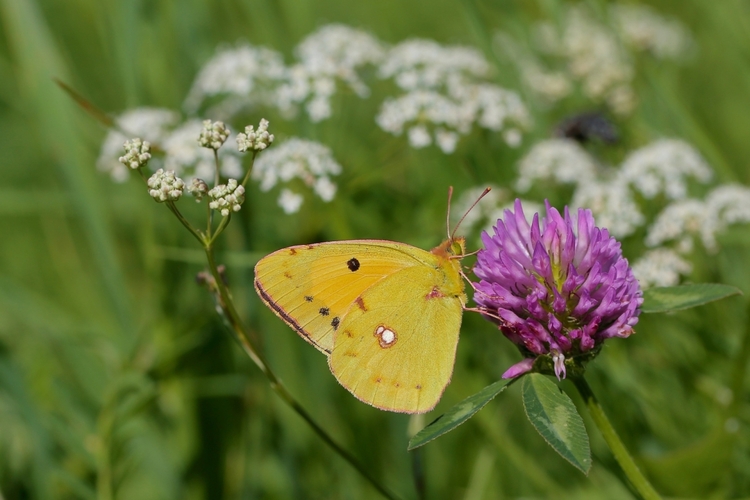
352, 264
324, 311
335, 322
308, 298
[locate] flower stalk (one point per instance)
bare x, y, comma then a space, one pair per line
629, 467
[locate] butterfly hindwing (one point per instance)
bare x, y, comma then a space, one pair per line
396, 346
311, 287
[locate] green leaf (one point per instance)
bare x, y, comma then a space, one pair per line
555, 417
457, 415
674, 298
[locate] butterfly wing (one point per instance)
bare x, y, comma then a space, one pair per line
311, 287
396, 346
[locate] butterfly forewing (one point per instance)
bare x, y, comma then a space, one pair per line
311, 287
396, 346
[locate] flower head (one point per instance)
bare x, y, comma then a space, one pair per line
165, 186
227, 198
255, 139
557, 288
137, 153
198, 188
213, 135
293, 161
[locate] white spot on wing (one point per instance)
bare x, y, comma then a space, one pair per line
386, 336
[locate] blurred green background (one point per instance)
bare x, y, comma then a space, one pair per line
117, 379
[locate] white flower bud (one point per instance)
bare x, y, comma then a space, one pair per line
165, 186
198, 188
255, 140
227, 198
137, 153
213, 135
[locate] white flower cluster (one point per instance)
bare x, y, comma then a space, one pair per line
213, 135
612, 203
644, 29
153, 124
594, 53
184, 155
165, 186
333, 52
255, 140
137, 153
660, 267
425, 64
444, 91
445, 87
308, 161
663, 167
197, 188
595, 59
182, 152
249, 75
245, 72
562, 160
682, 220
227, 198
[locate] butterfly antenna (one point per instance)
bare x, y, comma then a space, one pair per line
450, 191
448, 214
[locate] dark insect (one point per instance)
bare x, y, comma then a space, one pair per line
587, 126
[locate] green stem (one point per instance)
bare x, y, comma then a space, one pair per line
245, 339
636, 477
739, 372
173, 208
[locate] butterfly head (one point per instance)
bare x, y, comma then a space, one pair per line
453, 247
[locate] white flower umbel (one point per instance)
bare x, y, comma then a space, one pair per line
660, 267
165, 186
419, 137
591, 54
289, 201
642, 28
664, 167
422, 106
612, 203
198, 188
227, 198
137, 153
308, 161
425, 64
729, 204
596, 59
454, 113
255, 140
684, 219
679, 221
184, 155
152, 124
334, 52
445, 95
213, 135
245, 72
562, 161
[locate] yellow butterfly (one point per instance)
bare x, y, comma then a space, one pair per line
386, 314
